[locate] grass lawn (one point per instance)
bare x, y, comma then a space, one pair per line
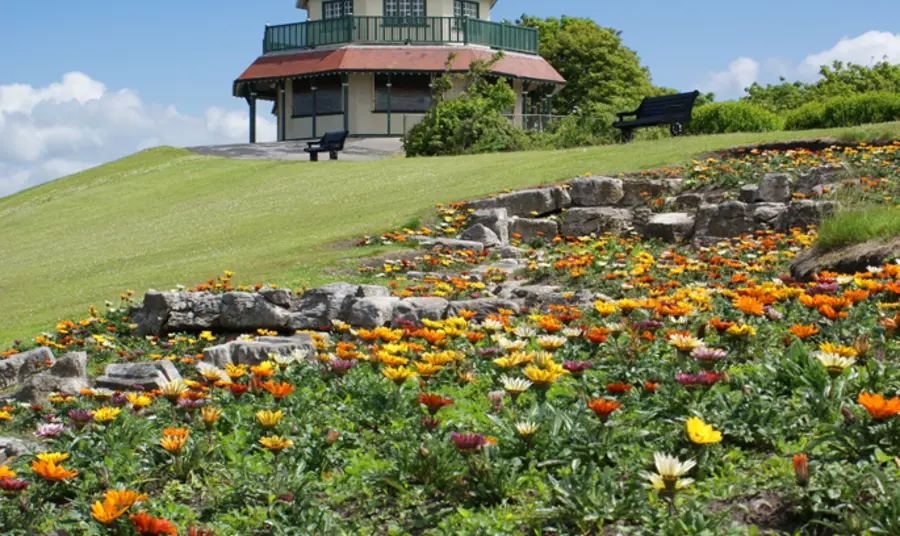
167, 216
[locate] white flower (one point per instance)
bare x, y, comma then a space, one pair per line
571, 332
669, 471
526, 428
524, 332
511, 346
834, 363
515, 385
492, 325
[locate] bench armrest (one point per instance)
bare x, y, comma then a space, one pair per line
623, 114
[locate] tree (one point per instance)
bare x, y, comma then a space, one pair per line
598, 68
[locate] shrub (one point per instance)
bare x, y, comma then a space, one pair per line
875, 107
723, 117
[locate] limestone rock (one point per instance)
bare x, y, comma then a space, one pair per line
11, 447
586, 221
596, 191
770, 216
372, 291
509, 252
636, 191
317, 307
256, 351
669, 227
372, 312
804, 212
481, 234
748, 193
728, 220
162, 312
416, 309
775, 188
246, 312
147, 375
533, 229
457, 245
539, 201
68, 375
689, 200
14, 370
846, 260
496, 219
818, 176
482, 307
277, 296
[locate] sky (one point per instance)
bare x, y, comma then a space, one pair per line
83, 83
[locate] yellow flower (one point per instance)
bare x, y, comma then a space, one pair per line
269, 418
105, 415
173, 443
207, 336
139, 401
275, 443
391, 360
743, 330
55, 458
5, 416
843, 351
173, 390
210, 414
235, 371
540, 377
701, 433
107, 512
6, 472
427, 370
605, 308
398, 375
124, 497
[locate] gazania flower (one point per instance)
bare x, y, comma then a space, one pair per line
124, 497
709, 354
49, 430
597, 334
804, 332
139, 400
427, 370
749, 305
268, 418
13, 485
541, 377
107, 512
605, 308
526, 429
467, 443
238, 389
210, 415
173, 390
278, 390
433, 402
263, 370
80, 417
275, 443
603, 407
55, 458
843, 351
577, 368
801, 469
515, 386
834, 363
235, 372
669, 471
701, 433
51, 471
720, 325
106, 415
618, 388
551, 342
398, 375
741, 331
6, 472
147, 525
684, 343
173, 443
704, 379
879, 407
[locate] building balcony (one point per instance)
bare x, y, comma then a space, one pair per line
400, 30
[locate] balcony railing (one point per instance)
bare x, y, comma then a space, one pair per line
400, 30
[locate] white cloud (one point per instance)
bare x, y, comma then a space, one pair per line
866, 49
741, 73
77, 123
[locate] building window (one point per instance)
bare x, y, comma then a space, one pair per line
404, 8
409, 93
329, 96
334, 9
464, 8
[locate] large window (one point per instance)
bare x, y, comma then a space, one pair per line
404, 8
464, 8
409, 93
333, 9
329, 96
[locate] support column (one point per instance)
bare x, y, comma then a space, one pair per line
314, 111
251, 101
524, 110
345, 87
282, 111
389, 84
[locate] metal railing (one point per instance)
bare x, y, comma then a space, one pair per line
400, 30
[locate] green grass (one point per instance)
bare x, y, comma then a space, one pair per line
859, 224
167, 216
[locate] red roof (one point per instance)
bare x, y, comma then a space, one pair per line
387, 58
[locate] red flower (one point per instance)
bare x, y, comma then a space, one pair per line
433, 402
618, 388
604, 407
147, 525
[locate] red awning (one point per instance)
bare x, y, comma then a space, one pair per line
388, 58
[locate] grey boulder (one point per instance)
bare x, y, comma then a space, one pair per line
14, 370
372, 312
596, 191
481, 234
68, 375
129, 376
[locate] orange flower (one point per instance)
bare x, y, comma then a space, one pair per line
474, 336
619, 387
278, 390
468, 315
52, 472
804, 331
651, 387
828, 312
720, 325
147, 525
749, 305
878, 407
551, 324
603, 407
598, 334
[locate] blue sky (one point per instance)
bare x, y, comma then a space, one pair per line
171, 63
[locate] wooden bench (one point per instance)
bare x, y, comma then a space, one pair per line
331, 143
672, 110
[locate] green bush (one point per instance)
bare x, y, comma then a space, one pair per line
866, 108
724, 117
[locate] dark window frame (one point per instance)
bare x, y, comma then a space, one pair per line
379, 108
333, 95
462, 9
343, 9
400, 20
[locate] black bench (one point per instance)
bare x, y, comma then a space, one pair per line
331, 143
672, 110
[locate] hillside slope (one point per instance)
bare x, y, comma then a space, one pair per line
167, 216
